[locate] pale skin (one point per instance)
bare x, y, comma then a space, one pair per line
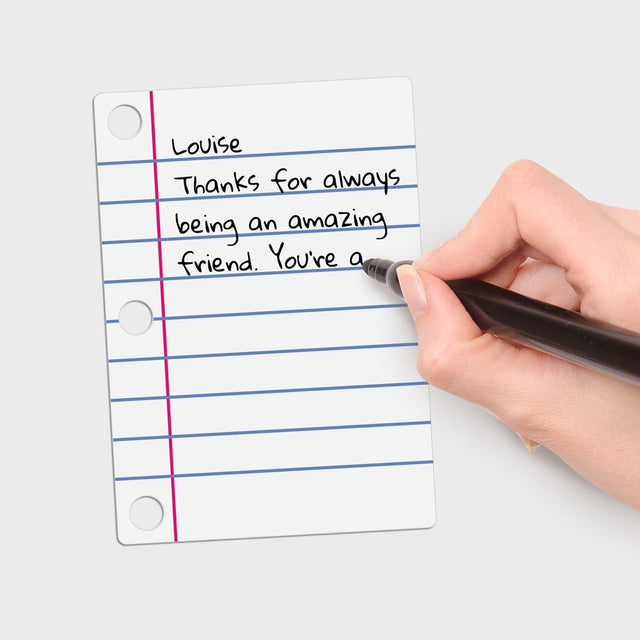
538, 236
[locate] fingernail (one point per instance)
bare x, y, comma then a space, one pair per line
412, 290
530, 445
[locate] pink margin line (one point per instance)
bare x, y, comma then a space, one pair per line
164, 324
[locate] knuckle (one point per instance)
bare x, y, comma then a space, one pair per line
520, 175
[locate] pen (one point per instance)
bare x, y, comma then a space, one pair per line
545, 327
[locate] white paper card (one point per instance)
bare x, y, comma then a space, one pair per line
260, 383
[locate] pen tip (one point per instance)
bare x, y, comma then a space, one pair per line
366, 264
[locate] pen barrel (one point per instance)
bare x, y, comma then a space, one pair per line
550, 328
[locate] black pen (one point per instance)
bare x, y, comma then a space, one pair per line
546, 327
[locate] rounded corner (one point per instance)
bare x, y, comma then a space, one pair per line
408, 81
120, 541
96, 98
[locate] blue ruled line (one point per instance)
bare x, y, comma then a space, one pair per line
234, 314
235, 274
271, 154
281, 470
255, 195
257, 233
251, 432
257, 392
230, 354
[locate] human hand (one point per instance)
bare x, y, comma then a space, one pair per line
536, 235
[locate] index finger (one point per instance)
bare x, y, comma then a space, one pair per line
528, 208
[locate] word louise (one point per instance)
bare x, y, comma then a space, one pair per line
211, 145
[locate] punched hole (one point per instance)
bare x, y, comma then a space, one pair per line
135, 317
124, 122
146, 513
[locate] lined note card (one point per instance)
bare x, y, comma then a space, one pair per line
260, 383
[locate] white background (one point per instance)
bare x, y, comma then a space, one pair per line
523, 547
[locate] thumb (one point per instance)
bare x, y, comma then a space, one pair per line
455, 355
